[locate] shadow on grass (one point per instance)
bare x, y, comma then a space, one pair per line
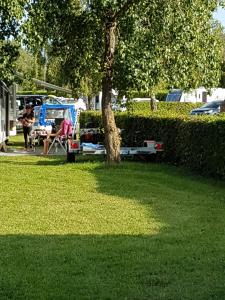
107, 267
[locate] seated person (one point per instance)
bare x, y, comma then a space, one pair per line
64, 131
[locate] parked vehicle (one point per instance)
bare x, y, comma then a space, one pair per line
211, 108
197, 95
22, 101
32, 100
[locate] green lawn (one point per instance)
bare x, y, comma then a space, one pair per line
86, 231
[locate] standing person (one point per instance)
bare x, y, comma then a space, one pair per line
27, 121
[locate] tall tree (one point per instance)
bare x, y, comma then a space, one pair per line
11, 13
131, 44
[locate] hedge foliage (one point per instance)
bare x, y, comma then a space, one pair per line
162, 107
160, 94
197, 143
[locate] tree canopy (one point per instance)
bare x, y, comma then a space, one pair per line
120, 44
170, 40
129, 44
11, 14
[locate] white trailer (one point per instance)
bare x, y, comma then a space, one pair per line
196, 95
7, 113
150, 147
4, 112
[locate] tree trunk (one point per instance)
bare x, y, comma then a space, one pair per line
45, 65
89, 102
112, 136
153, 104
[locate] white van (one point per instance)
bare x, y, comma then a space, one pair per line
197, 95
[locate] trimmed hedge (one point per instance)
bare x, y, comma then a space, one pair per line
197, 143
91, 119
171, 107
160, 94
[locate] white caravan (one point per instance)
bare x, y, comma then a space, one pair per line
197, 95
7, 113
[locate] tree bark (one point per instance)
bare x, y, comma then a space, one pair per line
112, 136
153, 104
89, 102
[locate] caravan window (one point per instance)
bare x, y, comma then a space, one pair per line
58, 113
52, 115
19, 103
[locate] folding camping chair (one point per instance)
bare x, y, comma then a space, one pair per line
58, 141
66, 131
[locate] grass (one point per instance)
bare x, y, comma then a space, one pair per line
87, 231
17, 141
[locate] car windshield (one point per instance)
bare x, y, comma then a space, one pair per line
212, 105
51, 100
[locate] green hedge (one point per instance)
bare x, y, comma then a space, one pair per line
197, 143
166, 107
160, 94
91, 116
